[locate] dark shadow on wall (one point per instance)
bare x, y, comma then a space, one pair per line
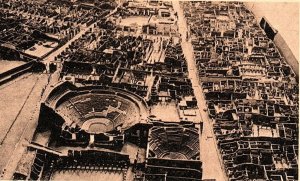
281, 44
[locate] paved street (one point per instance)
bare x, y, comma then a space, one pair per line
51, 56
212, 166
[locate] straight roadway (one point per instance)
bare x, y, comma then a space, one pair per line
50, 58
209, 154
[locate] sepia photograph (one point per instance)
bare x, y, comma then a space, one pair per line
149, 90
